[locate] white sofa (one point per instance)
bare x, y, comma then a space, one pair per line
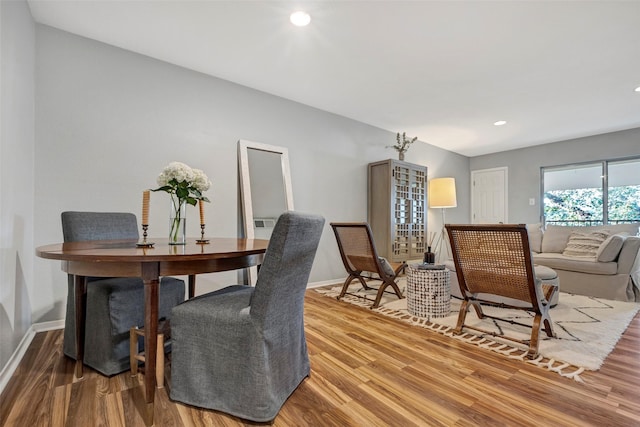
613, 272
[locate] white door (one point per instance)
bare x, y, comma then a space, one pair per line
489, 196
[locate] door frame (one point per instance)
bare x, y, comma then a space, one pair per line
506, 190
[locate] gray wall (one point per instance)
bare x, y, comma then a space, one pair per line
108, 121
524, 165
16, 174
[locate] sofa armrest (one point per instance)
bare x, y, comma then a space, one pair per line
629, 255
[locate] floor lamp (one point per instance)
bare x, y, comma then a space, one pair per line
442, 194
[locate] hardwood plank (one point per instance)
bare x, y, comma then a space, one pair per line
110, 411
60, 405
362, 416
366, 370
83, 402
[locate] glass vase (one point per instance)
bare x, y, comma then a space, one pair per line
178, 222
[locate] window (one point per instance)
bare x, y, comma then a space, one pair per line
624, 191
606, 192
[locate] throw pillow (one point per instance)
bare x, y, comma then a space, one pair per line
535, 236
386, 267
555, 238
610, 248
585, 244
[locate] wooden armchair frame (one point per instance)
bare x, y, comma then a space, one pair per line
359, 254
496, 259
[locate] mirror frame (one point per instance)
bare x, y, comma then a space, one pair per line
245, 188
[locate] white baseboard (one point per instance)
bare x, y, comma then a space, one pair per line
16, 357
48, 326
10, 368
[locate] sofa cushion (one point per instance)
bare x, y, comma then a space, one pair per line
581, 265
585, 244
535, 236
555, 238
610, 248
632, 229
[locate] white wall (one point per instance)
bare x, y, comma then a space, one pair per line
16, 174
108, 121
524, 165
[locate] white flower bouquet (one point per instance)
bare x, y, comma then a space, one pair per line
184, 185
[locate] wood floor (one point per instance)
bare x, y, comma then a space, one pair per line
367, 370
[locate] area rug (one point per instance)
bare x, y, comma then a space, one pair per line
587, 328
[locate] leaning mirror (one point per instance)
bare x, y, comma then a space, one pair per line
265, 190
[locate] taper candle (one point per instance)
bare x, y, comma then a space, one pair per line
201, 212
145, 207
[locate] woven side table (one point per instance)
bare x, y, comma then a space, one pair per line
428, 292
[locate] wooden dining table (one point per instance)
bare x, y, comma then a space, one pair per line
124, 258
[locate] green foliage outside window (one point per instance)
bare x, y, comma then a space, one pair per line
584, 206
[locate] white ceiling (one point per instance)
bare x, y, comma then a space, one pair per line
443, 71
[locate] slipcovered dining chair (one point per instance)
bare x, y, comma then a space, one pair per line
113, 305
242, 350
359, 255
495, 260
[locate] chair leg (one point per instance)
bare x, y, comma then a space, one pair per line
134, 356
160, 361
396, 288
363, 283
381, 289
478, 308
133, 351
539, 320
532, 353
548, 325
376, 303
464, 309
548, 328
346, 286
462, 315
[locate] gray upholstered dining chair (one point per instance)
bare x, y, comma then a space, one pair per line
242, 350
113, 305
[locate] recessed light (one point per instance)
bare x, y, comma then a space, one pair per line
638, 89
300, 18
500, 123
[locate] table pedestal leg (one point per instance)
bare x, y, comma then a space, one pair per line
150, 276
80, 291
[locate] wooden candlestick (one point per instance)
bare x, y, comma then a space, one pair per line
202, 240
145, 207
144, 243
145, 220
201, 213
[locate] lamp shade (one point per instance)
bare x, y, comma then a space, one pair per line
442, 193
